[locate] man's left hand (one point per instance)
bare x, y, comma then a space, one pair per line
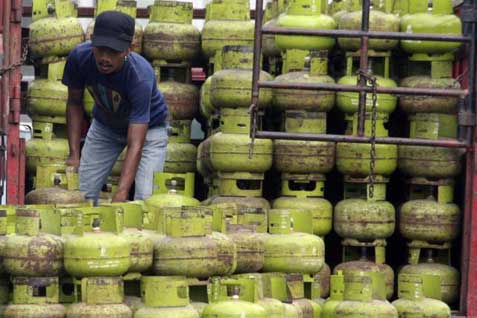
120, 196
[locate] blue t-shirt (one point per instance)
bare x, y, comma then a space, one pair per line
129, 96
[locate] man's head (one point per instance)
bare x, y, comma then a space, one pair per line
112, 36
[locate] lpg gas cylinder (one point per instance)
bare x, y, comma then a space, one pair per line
336, 296
361, 299
165, 297
413, 302
288, 251
29, 252
380, 19
191, 248
181, 154
97, 249
305, 14
49, 20
170, 34
227, 22
434, 18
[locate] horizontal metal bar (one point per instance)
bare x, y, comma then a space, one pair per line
142, 13
362, 140
370, 34
379, 89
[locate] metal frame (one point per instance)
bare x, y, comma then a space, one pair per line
10, 94
467, 130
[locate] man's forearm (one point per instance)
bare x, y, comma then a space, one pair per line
74, 119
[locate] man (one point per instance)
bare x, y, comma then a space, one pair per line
129, 110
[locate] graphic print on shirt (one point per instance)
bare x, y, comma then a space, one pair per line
107, 100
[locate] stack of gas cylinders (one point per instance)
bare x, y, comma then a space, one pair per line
237, 226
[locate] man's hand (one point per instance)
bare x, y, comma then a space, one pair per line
120, 196
73, 161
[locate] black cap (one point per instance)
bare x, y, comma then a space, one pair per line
113, 29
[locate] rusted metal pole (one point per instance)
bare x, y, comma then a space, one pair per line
363, 67
371, 34
363, 140
379, 89
257, 54
4, 103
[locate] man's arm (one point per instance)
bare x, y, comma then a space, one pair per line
136, 136
74, 119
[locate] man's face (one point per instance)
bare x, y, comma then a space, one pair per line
108, 60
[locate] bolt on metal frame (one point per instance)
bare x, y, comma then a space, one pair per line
467, 131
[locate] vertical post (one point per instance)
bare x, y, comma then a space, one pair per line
257, 53
468, 300
363, 67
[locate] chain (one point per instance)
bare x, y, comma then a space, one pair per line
372, 163
23, 58
254, 114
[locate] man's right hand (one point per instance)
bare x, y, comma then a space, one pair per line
73, 162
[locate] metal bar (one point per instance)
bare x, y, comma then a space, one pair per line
257, 54
363, 67
362, 140
370, 34
141, 13
4, 103
368, 89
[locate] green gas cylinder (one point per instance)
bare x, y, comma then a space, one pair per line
225, 214
170, 34
141, 240
125, 6
272, 11
363, 265
336, 296
413, 303
231, 86
182, 99
354, 159
306, 192
303, 157
288, 251
361, 299
430, 162
305, 14
430, 71
250, 247
363, 217
181, 154
191, 248
225, 299
304, 68
48, 151
100, 297
274, 307
296, 289
429, 220
47, 97
449, 277
3, 241
165, 297
55, 195
380, 20
29, 252
49, 20
230, 153
206, 108
27, 302
157, 202
439, 19
97, 249
227, 22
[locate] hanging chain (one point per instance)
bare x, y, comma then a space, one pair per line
372, 163
254, 119
23, 58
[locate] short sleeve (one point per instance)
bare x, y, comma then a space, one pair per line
72, 77
139, 97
